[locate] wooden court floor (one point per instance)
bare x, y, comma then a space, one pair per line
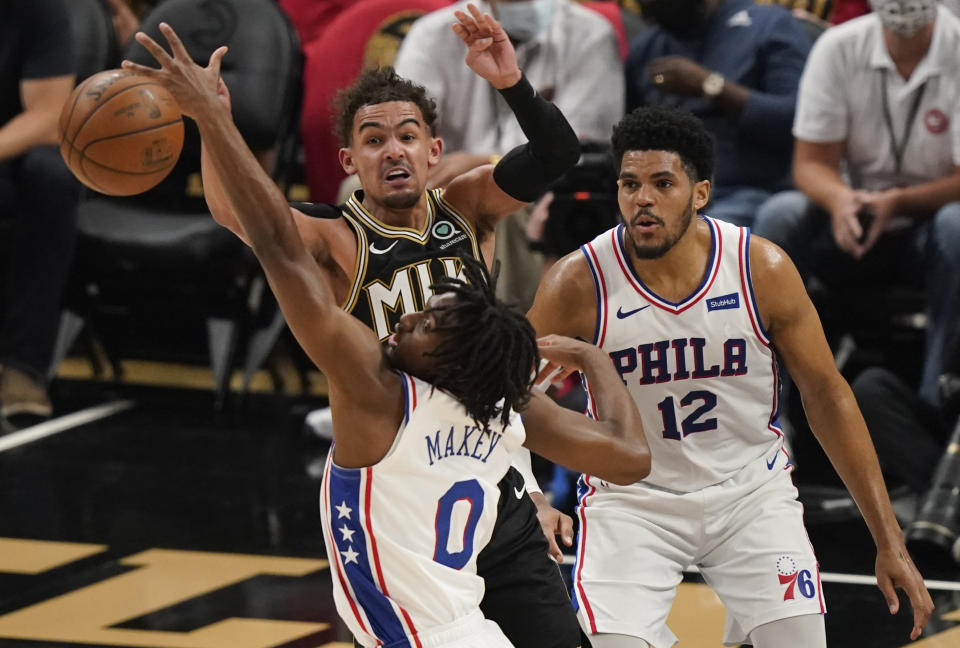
140, 517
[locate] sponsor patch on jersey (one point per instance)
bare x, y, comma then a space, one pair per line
443, 230
723, 302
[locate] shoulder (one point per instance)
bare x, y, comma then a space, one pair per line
587, 20
776, 23
317, 210
777, 285
436, 22
855, 36
566, 299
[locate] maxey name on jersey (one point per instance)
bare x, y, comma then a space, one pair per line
461, 441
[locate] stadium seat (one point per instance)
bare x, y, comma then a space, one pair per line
146, 262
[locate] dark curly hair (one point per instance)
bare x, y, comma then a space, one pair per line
655, 128
375, 87
489, 351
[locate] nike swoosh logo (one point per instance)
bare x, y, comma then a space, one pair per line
773, 461
622, 315
518, 492
376, 250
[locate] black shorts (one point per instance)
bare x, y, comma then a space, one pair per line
525, 594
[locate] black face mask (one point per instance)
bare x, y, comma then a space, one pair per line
678, 17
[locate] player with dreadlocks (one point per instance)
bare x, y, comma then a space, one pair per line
410, 491
487, 347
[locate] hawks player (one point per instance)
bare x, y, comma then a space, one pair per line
692, 312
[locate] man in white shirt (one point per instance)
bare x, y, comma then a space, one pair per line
569, 54
879, 99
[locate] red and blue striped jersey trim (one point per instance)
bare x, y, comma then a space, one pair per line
600, 285
357, 558
630, 272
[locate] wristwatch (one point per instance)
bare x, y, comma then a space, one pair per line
713, 85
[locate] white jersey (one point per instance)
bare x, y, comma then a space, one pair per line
403, 535
701, 371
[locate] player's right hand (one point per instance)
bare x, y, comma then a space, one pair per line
489, 51
894, 568
553, 523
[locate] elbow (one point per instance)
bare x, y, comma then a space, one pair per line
630, 462
567, 153
634, 466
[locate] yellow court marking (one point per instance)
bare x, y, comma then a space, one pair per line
697, 616
36, 556
162, 578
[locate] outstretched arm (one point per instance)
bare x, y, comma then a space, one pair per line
345, 351
526, 172
794, 328
612, 447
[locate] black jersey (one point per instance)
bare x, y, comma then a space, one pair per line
396, 265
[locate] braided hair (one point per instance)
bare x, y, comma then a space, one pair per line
489, 350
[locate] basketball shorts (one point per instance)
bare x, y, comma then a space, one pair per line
745, 534
524, 590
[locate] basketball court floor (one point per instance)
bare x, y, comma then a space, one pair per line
141, 517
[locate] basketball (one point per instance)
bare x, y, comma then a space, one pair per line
120, 133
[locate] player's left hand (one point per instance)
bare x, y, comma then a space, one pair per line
677, 75
894, 568
554, 523
489, 51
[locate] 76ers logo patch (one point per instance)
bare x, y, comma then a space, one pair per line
795, 580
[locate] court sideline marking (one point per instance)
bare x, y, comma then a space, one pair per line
63, 423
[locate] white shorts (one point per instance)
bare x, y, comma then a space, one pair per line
471, 631
745, 534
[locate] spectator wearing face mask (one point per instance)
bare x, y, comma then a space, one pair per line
880, 98
735, 65
568, 53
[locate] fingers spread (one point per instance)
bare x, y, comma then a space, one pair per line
154, 48
176, 45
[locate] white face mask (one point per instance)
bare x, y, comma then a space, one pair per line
525, 19
905, 17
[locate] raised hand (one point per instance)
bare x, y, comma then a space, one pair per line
489, 51
195, 88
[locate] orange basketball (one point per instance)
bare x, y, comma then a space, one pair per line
120, 133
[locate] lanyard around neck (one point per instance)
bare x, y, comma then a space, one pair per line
898, 148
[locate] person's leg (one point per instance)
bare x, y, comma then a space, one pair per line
791, 220
632, 545
524, 591
943, 294
39, 256
738, 206
758, 558
806, 630
905, 430
615, 640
